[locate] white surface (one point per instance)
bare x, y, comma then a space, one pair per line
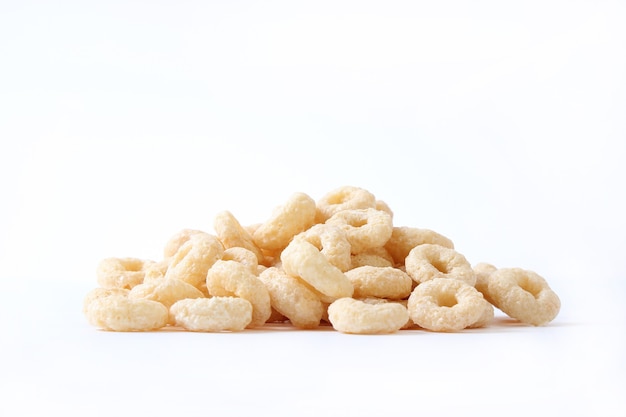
500, 126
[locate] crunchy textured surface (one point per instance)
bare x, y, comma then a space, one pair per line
344, 198
232, 234
123, 314
214, 314
230, 278
193, 259
381, 282
429, 261
374, 257
523, 295
348, 315
101, 293
243, 256
403, 239
121, 272
292, 299
165, 291
332, 242
483, 273
365, 228
177, 240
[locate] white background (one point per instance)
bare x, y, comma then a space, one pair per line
498, 124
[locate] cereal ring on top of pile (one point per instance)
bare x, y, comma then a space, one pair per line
343, 198
286, 221
365, 228
332, 242
428, 261
348, 315
523, 295
403, 239
446, 305
373, 257
123, 314
382, 206
232, 234
214, 314
303, 260
483, 271
243, 256
380, 282
166, 291
194, 257
231, 278
293, 299
121, 272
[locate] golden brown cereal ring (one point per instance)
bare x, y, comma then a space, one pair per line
348, 315
233, 234
293, 299
365, 228
332, 242
121, 272
165, 291
214, 314
286, 221
445, 305
303, 260
194, 258
524, 295
428, 261
123, 314
343, 198
101, 293
380, 282
403, 239
243, 256
230, 278
483, 272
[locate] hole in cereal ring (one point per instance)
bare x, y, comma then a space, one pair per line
445, 299
530, 286
440, 265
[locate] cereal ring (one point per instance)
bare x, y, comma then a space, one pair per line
166, 291
214, 314
293, 299
523, 295
121, 272
303, 260
101, 293
295, 216
382, 206
403, 239
194, 258
343, 198
365, 228
230, 278
380, 282
156, 271
332, 242
123, 314
243, 256
483, 272
177, 240
485, 318
428, 261
232, 234
373, 257
445, 305
348, 315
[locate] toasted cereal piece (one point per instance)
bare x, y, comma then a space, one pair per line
194, 258
348, 315
231, 278
286, 221
122, 272
101, 293
303, 260
343, 198
243, 256
166, 291
332, 242
156, 271
429, 261
373, 257
177, 240
403, 239
232, 234
123, 314
214, 314
523, 295
483, 272
445, 305
292, 298
380, 282
365, 228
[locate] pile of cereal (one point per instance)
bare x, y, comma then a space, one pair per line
337, 261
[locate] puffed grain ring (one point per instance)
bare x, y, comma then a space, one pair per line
403, 239
332, 243
177, 240
214, 314
380, 282
365, 228
193, 259
122, 272
348, 315
123, 314
232, 234
343, 198
243, 256
428, 261
483, 273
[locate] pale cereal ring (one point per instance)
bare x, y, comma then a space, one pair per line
214, 314
233, 234
403, 239
156, 271
365, 228
445, 305
243, 256
523, 295
380, 282
121, 272
177, 240
483, 273
286, 221
343, 198
123, 314
348, 315
303, 260
486, 316
332, 242
292, 298
373, 300
230, 278
373, 257
194, 258
165, 291
101, 293
428, 261
382, 206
